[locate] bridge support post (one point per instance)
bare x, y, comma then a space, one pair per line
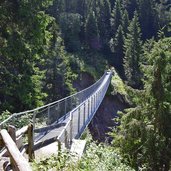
71, 125
91, 104
88, 107
48, 115
66, 138
94, 103
65, 109
78, 119
59, 147
84, 114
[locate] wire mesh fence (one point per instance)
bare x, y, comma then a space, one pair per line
82, 114
52, 113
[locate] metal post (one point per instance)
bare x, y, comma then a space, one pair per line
96, 99
91, 104
84, 113
65, 109
71, 125
34, 122
94, 102
48, 115
66, 139
88, 107
78, 119
59, 147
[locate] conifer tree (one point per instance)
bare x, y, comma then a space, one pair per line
104, 22
144, 136
116, 17
125, 22
92, 31
133, 52
24, 30
116, 45
148, 18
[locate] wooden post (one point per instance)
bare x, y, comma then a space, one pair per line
19, 163
12, 132
30, 143
1, 141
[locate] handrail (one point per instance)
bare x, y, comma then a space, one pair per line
88, 107
100, 92
50, 104
18, 161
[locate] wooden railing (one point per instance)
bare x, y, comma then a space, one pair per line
11, 141
12, 146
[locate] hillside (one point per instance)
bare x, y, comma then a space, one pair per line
50, 49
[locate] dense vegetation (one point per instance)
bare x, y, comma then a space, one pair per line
98, 157
46, 44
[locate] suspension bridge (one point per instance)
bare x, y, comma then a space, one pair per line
61, 121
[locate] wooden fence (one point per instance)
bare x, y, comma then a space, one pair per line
11, 143
12, 146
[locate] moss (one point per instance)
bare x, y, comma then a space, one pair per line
118, 86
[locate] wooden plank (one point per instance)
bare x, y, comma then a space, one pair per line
22, 131
30, 143
19, 162
19, 141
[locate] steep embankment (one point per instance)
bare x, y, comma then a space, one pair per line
103, 120
113, 102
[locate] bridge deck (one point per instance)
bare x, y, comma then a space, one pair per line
81, 116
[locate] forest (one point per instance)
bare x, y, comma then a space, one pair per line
45, 46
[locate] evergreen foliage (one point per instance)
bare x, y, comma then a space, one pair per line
125, 22
133, 50
92, 31
117, 47
116, 16
144, 136
24, 38
46, 44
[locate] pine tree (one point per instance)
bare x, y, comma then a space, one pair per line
116, 45
71, 23
144, 136
26, 37
125, 22
92, 31
116, 17
148, 18
133, 52
104, 23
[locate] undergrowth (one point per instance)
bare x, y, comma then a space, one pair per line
98, 157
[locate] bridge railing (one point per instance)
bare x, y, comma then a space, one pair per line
52, 113
82, 114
